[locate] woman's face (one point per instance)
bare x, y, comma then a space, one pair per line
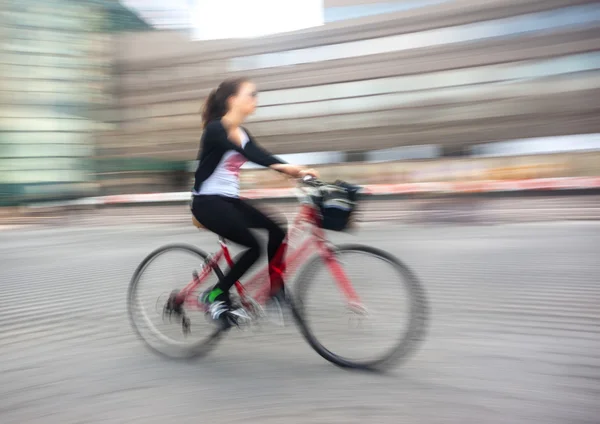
245, 99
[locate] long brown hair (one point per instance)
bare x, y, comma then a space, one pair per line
215, 105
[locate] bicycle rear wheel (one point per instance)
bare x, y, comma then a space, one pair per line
172, 265
391, 340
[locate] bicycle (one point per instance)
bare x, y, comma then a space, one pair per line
253, 294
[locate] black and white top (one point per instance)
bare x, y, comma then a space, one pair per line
218, 172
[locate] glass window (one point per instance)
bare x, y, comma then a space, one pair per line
541, 145
50, 60
394, 92
24, 124
371, 103
588, 14
426, 151
38, 176
27, 150
341, 13
23, 138
41, 163
39, 139
43, 122
458, 77
44, 72
31, 20
34, 149
442, 113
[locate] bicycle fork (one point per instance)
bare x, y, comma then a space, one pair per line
341, 279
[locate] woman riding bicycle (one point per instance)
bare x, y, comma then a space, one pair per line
225, 147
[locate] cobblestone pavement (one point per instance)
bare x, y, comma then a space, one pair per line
514, 336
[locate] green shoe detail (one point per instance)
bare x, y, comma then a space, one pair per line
213, 294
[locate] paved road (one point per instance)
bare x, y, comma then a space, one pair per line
413, 210
514, 337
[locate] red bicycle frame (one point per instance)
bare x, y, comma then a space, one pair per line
308, 216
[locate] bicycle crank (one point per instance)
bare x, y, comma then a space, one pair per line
173, 308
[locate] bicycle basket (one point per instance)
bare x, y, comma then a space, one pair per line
337, 204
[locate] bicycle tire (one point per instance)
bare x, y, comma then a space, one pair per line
196, 350
414, 334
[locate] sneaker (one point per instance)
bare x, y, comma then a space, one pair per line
221, 310
217, 309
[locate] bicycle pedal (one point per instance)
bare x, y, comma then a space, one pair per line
228, 320
239, 316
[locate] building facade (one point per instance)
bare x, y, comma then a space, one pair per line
55, 73
450, 73
90, 93
56, 76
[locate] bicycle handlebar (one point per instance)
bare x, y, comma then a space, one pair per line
309, 186
311, 181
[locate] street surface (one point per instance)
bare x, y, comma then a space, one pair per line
419, 209
514, 335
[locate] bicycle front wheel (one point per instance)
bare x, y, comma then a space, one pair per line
386, 328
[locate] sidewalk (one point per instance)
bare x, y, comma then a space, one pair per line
410, 211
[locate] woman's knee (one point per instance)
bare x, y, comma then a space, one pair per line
254, 251
277, 220
281, 224
277, 233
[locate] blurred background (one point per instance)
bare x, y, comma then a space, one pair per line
454, 114
102, 97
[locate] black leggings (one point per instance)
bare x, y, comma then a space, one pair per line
232, 219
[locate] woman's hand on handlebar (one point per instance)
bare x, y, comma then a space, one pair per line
308, 173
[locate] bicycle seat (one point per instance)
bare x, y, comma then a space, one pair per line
197, 223
202, 227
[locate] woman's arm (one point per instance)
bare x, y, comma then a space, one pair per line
294, 171
215, 136
255, 153
261, 157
